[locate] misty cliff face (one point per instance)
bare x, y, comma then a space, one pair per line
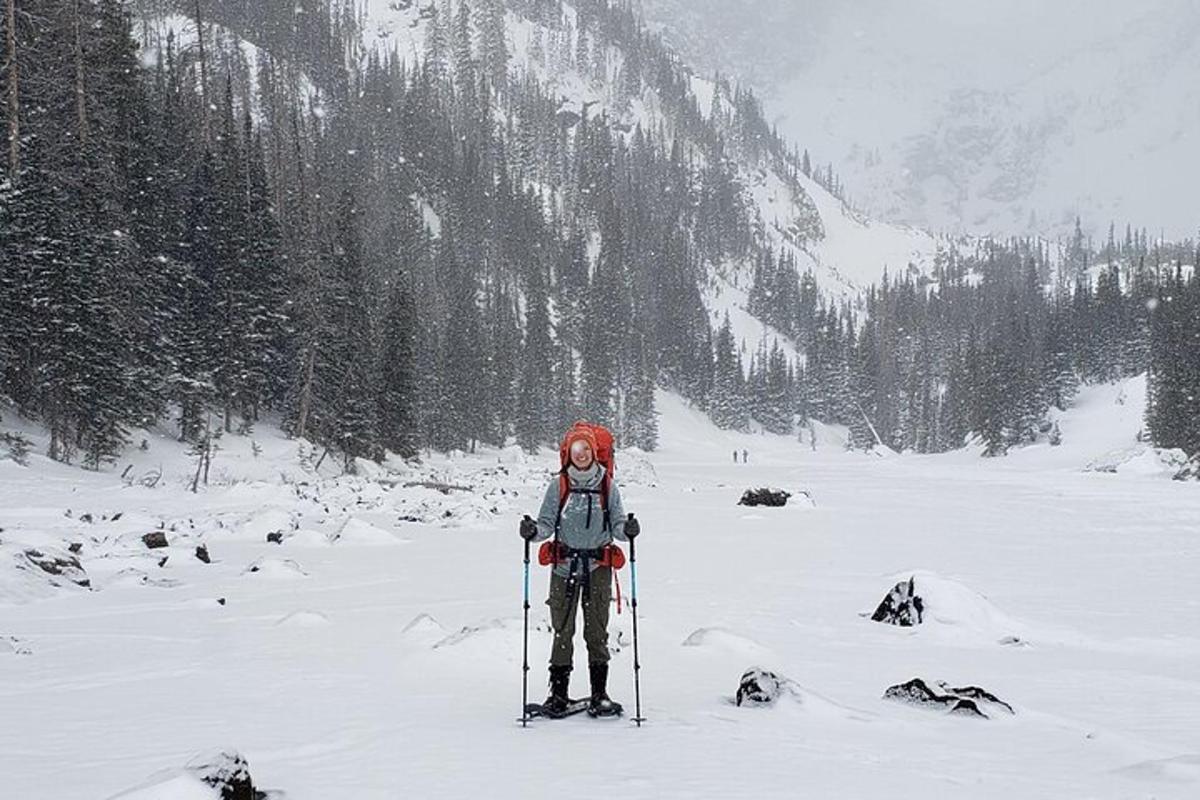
975, 116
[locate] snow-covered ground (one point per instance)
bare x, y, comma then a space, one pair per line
373, 657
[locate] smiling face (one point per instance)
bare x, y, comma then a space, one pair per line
581, 454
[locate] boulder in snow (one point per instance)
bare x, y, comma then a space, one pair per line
222, 775
762, 687
965, 701
155, 540
902, 606
228, 773
764, 497
202, 554
62, 568
927, 599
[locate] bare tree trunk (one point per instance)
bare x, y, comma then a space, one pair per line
80, 93
14, 97
204, 131
306, 392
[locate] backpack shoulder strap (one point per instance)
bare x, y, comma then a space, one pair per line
605, 488
564, 491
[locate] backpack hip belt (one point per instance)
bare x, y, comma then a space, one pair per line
553, 553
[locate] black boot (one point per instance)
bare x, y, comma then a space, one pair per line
556, 704
601, 705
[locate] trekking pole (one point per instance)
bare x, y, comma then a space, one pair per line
632, 529
525, 648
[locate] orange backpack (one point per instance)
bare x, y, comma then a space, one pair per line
601, 440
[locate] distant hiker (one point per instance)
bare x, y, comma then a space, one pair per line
745, 456
583, 513
735, 456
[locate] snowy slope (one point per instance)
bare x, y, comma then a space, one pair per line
976, 116
230, 54
845, 250
386, 661
852, 251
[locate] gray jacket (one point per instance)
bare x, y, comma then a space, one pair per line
574, 529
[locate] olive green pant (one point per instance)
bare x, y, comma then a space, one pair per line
595, 594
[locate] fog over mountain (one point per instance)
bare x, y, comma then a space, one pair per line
976, 115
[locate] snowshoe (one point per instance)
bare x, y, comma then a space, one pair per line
555, 710
604, 707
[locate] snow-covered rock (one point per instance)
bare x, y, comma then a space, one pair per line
266, 522
902, 606
303, 619
423, 625
1141, 460
763, 687
132, 576
725, 640
360, 532
275, 569
764, 497
221, 775
494, 631
921, 598
29, 573
968, 701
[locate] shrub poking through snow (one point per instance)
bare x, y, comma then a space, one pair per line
764, 497
902, 606
16, 447
1189, 471
965, 701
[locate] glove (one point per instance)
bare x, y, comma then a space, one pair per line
632, 528
529, 528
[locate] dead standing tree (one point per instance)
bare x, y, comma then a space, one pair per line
12, 65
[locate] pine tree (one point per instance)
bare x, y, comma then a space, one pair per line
535, 409
641, 419
493, 49
397, 371
345, 394
727, 405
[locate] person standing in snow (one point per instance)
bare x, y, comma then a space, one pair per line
584, 526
